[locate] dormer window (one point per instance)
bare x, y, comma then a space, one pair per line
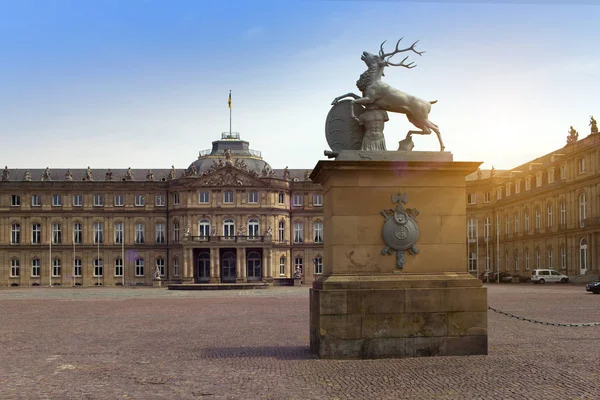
551, 175
518, 187
528, 183
538, 179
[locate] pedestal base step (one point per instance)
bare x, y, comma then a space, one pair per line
218, 286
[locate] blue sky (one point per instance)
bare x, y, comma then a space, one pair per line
144, 84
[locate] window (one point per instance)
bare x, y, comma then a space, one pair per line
281, 231
139, 200
506, 261
160, 265
204, 228
36, 234
253, 228
486, 228
205, 197
176, 232
228, 197
56, 267
281, 198
15, 200
538, 219
486, 197
98, 267
298, 200
298, 267
582, 256
563, 171
228, 228
563, 213
175, 198
139, 233
77, 200
487, 262
36, 200
35, 267
318, 232
582, 209
508, 185
176, 266
537, 257
507, 225
563, 257
471, 198
549, 221
518, 187
499, 193
527, 224
581, 164
318, 265
56, 234
139, 267
472, 262
549, 257
15, 234
528, 183
282, 265
253, 197
98, 233
98, 200
14, 267
516, 227
298, 232
516, 261
317, 199
160, 233
538, 179
551, 175
119, 267
77, 268
526, 259
77, 233
119, 227
56, 200
119, 200
160, 200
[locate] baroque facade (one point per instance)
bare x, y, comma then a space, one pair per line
228, 217
542, 214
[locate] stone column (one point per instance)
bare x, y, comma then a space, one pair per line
213, 266
264, 273
217, 265
238, 265
270, 264
244, 265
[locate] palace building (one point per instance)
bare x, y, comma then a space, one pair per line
542, 214
228, 217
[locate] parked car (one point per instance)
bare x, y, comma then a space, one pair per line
504, 277
594, 286
548, 275
521, 278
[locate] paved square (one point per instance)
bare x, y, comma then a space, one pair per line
144, 343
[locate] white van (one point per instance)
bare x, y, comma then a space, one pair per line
548, 275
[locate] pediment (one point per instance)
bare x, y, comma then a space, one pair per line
227, 175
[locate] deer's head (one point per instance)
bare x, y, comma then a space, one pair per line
382, 60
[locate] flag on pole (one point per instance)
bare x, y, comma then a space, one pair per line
229, 101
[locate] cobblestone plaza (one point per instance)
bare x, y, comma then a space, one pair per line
145, 343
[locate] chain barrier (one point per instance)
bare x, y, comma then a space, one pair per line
534, 321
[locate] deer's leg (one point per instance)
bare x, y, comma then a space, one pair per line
435, 128
419, 124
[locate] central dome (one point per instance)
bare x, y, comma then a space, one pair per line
230, 141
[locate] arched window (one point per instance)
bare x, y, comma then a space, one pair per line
204, 228
281, 231
582, 256
582, 209
254, 265
282, 265
318, 232
253, 228
176, 232
228, 228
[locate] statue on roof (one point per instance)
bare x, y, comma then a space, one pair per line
227, 154
265, 171
172, 173
46, 175
286, 173
593, 125
109, 175
6, 174
68, 175
26, 175
307, 175
88, 174
492, 172
149, 175
573, 135
129, 174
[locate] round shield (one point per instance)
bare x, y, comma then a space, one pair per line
341, 131
400, 236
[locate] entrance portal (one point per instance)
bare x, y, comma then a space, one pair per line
254, 267
228, 266
203, 267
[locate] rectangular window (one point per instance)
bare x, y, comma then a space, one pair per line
119, 267
56, 234
516, 223
14, 268
528, 183
563, 213
139, 233
35, 268
281, 231
253, 197
36, 200
119, 200
175, 198
298, 232
56, 200
538, 180
581, 165
204, 197
15, 234
77, 233
139, 200
486, 197
298, 200
499, 193
98, 233
98, 200
160, 233
508, 185
318, 265
176, 266
77, 200
77, 268
15, 200
517, 187
228, 197
119, 228
563, 258
549, 225
563, 171
160, 265
139, 267
281, 265
176, 232
36, 234
298, 267
471, 198
549, 258
160, 200
317, 200
281, 198
472, 262
56, 267
98, 267
318, 232
550, 175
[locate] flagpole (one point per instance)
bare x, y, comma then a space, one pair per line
50, 264
229, 113
123, 255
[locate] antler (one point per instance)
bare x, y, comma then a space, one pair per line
384, 55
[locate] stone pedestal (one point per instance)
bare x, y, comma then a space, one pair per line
157, 282
364, 306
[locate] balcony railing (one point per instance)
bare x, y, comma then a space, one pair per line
235, 239
591, 222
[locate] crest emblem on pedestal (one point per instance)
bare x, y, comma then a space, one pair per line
400, 229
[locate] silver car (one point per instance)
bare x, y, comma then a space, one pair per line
548, 275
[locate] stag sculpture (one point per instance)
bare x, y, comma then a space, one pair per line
383, 96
